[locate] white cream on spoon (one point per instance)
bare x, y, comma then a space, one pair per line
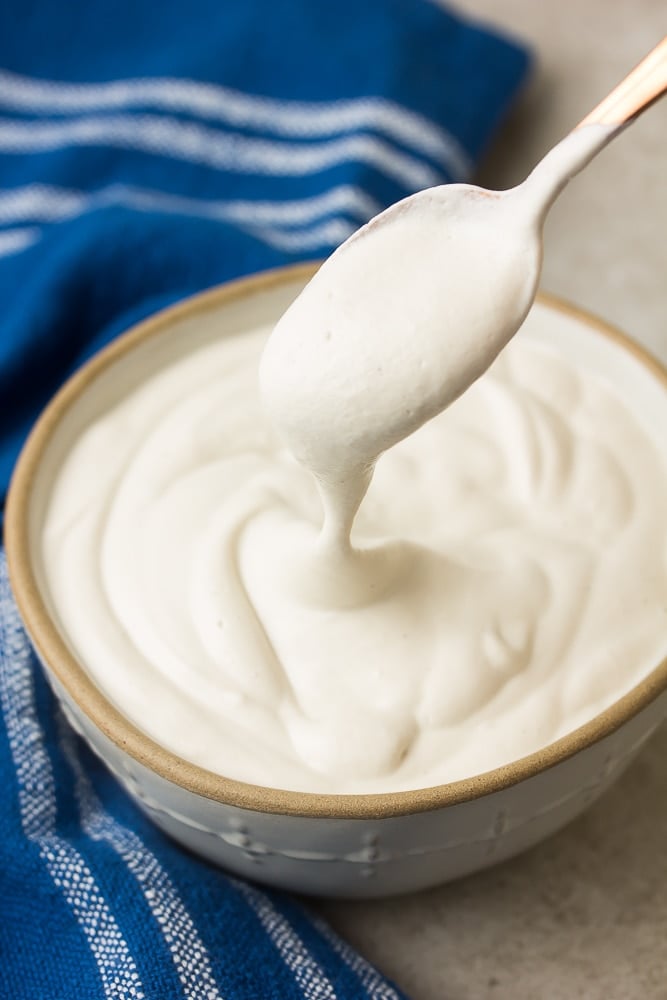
410, 310
404, 317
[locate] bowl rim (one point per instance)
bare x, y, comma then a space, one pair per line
80, 687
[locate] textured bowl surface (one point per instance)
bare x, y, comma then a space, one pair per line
365, 845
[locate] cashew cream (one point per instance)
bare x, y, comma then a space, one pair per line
211, 562
507, 579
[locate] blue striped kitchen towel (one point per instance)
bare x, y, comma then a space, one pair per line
147, 151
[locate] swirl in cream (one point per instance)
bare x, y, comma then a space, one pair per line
502, 588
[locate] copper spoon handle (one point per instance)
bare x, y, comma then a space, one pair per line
640, 88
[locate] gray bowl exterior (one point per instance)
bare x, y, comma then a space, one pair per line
365, 858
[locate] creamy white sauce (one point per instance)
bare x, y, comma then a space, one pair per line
503, 582
524, 582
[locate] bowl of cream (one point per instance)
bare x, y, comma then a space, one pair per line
364, 714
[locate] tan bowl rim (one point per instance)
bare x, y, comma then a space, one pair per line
125, 735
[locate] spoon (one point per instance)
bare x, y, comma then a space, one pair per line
416, 305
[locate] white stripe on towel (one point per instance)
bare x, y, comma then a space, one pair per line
15, 240
320, 237
296, 119
308, 974
376, 987
187, 949
45, 203
195, 143
37, 803
328, 235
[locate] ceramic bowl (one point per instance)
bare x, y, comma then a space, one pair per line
333, 845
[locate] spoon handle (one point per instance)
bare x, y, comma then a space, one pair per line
640, 88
